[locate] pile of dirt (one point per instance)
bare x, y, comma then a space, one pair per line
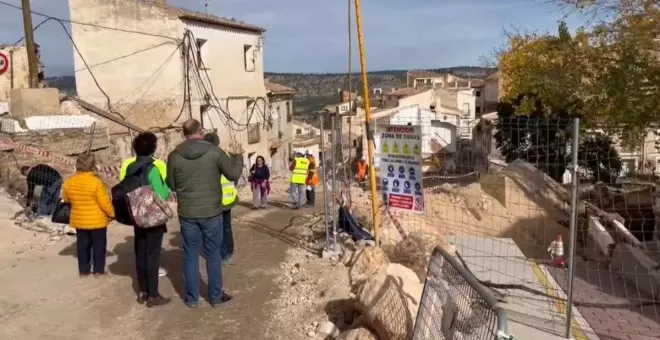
527, 207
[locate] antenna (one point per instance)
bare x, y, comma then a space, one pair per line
206, 6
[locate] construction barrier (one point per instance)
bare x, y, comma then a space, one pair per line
454, 305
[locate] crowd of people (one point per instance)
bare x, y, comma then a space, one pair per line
199, 176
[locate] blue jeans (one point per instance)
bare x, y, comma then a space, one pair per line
50, 194
198, 233
296, 198
227, 249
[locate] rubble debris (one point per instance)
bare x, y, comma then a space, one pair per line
366, 263
327, 329
384, 307
361, 333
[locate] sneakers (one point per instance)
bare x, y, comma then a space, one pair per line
229, 260
162, 272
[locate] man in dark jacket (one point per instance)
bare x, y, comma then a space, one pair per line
51, 183
194, 170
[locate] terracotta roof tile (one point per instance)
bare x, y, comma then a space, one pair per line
276, 88
183, 13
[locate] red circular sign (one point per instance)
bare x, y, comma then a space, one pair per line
4, 63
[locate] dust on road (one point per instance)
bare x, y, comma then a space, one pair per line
42, 296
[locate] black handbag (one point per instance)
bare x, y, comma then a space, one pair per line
62, 213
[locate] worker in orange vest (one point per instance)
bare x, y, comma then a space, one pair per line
312, 180
361, 175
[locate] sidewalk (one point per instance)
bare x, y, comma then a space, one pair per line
536, 314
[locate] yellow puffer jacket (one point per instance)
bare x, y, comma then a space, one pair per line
91, 207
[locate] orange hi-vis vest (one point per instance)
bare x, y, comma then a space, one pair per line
362, 170
315, 175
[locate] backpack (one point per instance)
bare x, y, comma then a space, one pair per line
119, 193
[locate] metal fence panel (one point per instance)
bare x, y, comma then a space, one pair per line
454, 305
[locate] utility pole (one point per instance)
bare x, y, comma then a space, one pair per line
29, 44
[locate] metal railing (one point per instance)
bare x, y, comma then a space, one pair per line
454, 305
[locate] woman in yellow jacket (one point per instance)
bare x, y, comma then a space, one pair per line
91, 212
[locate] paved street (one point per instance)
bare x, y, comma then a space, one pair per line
533, 314
611, 305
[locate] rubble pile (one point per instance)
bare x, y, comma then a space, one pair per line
43, 225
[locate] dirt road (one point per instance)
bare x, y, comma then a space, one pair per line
42, 296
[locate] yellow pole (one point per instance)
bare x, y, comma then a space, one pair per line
367, 120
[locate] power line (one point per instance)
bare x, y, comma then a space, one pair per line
87, 24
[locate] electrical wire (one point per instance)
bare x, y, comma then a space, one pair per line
217, 105
87, 24
33, 29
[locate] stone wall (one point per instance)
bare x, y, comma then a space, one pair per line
64, 141
120, 147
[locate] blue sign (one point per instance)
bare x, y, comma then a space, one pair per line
406, 187
411, 171
418, 189
396, 185
402, 172
385, 183
390, 171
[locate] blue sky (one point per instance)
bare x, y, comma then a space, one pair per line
311, 35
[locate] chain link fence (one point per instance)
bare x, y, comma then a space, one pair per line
501, 192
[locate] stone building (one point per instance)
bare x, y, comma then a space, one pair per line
159, 65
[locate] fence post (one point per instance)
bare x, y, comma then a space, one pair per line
333, 228
324, 179
575, 135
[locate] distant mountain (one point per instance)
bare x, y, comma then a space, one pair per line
65, 84
316, 90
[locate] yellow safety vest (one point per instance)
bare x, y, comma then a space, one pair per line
160, 165
229, 192
299, 173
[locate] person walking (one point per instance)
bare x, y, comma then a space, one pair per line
51, 183
229, 200
194, 170
298, 167
260, 183
91, 212
312, 180
148, 241
162, 169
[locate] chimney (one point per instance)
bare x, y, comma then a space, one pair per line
469, 83
456, 83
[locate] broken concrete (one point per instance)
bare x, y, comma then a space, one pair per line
25, 103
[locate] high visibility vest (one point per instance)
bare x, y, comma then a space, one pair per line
160, 165
362, 169
229, 192
299, 174
315, 177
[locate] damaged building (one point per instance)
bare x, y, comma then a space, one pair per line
158, 65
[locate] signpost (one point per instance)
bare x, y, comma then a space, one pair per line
401, 167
